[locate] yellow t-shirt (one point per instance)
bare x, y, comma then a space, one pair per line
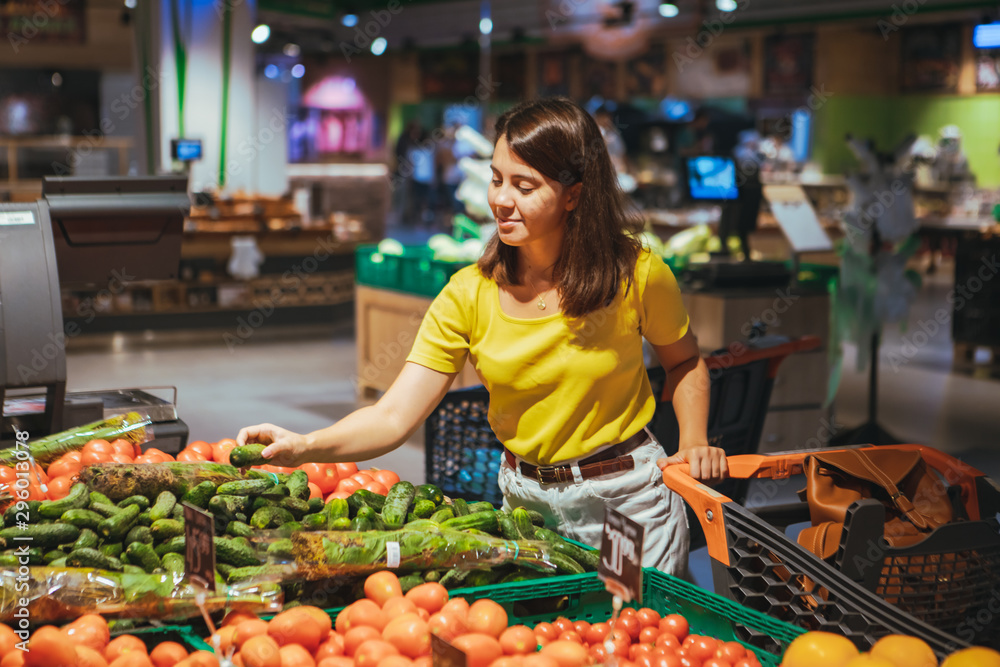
559, 387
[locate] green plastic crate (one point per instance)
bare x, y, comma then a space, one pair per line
153, 636
414, 272
583, 597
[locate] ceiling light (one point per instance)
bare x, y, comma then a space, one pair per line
378, 45
349, 20
271, 71
57, 79
261, 33
298, 70
292, 50
485, 26
726, 5
131, 4
668, 10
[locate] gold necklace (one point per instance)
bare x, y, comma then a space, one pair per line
541, 300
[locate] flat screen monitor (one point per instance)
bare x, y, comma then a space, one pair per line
711, 178
185, 150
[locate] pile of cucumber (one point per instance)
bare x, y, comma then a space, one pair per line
140, 534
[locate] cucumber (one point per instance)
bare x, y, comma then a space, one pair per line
522, 575
53, 555
246, 487
423, 509
432, 575
139, 534
199, 495
247, 456
360, 525
173, 563
44, 536
164, 505
280, 549
397, 504
587, 558
239, 529
485, 521
258, 503
112, 549
178, 512
164, 529
522, 521
342, 523
59, 562
536, 518
22, 512
296, 506
92, 558
298, 485
88, 540
116, 527
276, 492
314, 521
460, 507
479, 578
128, 568
229, 506
256, 571
422, 524
141, 501
429, 492
564, 564
410, 581
144, 519
453, 578
315, 504
9, 560
33, 556
270, 517
105, 509
82, 518
371, 516
173, 545
507, 528
234, 553
286, 529
362, 498
481, 506
442, 515
224, 569
98, 497
77, 498
337, 508
143, 555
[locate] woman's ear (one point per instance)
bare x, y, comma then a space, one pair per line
574, 196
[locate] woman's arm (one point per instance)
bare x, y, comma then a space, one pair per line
365, 433
688, 384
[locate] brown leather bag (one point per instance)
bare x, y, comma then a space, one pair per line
916, 502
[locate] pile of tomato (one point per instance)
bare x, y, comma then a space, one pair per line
389, 629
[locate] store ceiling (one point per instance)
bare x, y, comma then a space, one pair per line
434, 23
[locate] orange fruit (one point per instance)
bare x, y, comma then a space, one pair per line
977, 656
819, 649
167, 654
904, 651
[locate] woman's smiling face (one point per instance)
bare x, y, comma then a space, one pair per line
528, 206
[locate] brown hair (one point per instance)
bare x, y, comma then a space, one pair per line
600, 247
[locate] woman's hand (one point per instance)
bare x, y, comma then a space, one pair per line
284, 448
708, 464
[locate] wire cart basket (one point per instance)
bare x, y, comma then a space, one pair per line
945, 589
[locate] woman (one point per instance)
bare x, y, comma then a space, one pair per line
552, 317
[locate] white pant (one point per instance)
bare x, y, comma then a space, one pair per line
577, 508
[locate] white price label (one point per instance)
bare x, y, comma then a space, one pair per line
392, 556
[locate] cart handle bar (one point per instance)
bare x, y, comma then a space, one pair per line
707, 503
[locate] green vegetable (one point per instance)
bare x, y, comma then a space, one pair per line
232, 552
315, 505
82, 518
143, 555
44, 536
298, 485
246, 487
454, 578
178, 512
88, 540
45, 450
173, 545
296, 506
92, 558
280, 549
429, 492
286, 529
432, 575
150, 479
410, 581
422, 524
361, 524
112, 549
362, 498
268, 517
247, 456
565, 564
424, 509
397, 504
507, 528
98, 497
522, 521
24, 512
256, 571
106, 510
587, 558
536, 518
164, 529
460, 507
115, 527
337, 508
343, 523
141, 501
164, 505
239, 529
200, 494
229, 506
128, 568
34, 556
50, 556
277, 492
316, 521
442, 515
521, 575
77, 498
486, 521
481, 506
61, 562
371, 516
144, 519
139, 534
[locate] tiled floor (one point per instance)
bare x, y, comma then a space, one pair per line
301, 379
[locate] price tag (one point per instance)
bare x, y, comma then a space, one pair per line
199, 546
444, 654
620, 567
392, 555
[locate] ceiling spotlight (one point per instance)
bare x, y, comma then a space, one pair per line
57, 79
292, 50
378, 45
271, 71
669, 10
726, 5
298, 70
261, 33
131, 4
349, 20
485, 26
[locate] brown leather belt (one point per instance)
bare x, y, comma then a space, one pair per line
613, 459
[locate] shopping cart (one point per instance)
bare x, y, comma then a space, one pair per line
945, 590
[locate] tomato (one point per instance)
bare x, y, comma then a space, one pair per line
518, 640
649, 634
480, 649
409, 634
382, 586
665, 640
73, 456
8, 475
362, 477
95, 458
754, 662
676, 625
261, 651
357, 636
189, 456
370, 653
314, 491
331, 648
296, 627
346, 469
566, 654
61, 467
122, 645
167, 654
918, 653
716, 662
570, 636
98, 445
546, 631
48, 648
563, 624
323, 475
487, 617
202, 448
630, 624
977, 656
666, 660
447, 626
221, 449
375, 487
89, 630
59, 487
348, 486
581, 628
700, 647
337, 494
394, 607
386, 478
246, 630
431, 596
598, 653
365, 612
88, 657
8, 640
118, 458
124, 447
648, 617
731, 651
294, 655
539, 660
597, 633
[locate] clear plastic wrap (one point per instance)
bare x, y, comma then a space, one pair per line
60, 594
131, 426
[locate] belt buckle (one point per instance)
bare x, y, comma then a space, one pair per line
547, 474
